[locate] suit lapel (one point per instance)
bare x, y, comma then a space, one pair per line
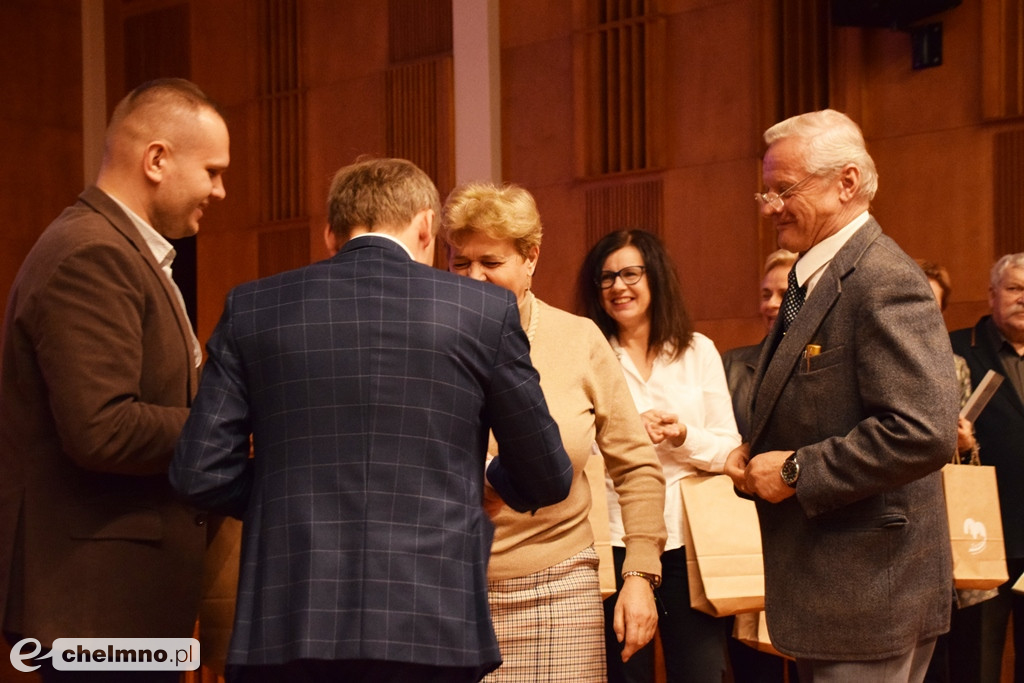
100, 202
774, 369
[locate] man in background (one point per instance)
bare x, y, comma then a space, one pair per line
99, 368
997, 343
368, 383
854, 414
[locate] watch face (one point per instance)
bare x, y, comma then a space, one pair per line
790, 472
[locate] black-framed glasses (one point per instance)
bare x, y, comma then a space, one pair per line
630, 275
777, 200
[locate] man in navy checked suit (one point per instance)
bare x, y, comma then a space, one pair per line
368, 383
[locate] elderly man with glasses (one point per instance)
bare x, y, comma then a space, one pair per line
854, 408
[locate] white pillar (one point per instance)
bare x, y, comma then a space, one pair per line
477, 76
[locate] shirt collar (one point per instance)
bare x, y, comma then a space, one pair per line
817, 257
162, 250
1002, 344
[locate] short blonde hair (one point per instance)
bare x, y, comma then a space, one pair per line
778, 259
508, 212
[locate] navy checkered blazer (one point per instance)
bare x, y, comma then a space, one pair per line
368, 383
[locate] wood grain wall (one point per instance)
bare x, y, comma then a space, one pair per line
615, 112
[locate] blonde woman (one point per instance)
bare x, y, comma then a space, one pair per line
542, 579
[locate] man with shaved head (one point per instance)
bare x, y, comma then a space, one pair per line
99, 369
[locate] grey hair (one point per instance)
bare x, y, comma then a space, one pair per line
832, 140
1001, 266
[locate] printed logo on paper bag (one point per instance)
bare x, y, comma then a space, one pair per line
976, 530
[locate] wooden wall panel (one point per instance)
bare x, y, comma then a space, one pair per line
420, 117
713, 88
282, 249
721, 62
419, 84
418, 28
283, 233
40, 123
156, 44
624, 205
619, 42
537, 114
1003, 49
1008, 193
802, 68
282, 113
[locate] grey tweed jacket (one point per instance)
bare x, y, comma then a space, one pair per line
857, 563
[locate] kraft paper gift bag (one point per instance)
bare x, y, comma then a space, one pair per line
751, 628
723, 547
220, 583
975, 526
594, 471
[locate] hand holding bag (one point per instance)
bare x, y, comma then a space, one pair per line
723, 547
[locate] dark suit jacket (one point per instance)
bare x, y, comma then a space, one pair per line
96, 379
857, 563
368, 382
740, 365
999, 429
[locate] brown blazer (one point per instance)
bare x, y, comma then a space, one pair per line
96, 380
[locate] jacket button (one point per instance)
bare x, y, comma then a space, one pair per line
201, 519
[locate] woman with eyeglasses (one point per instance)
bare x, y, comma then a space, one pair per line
629, 287
542, 580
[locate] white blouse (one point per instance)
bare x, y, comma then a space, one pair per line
693, 387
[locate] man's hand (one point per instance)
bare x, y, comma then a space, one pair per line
636, 615
764, 476
661, 425
964, 435
492, 501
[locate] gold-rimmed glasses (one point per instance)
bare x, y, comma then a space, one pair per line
776, 201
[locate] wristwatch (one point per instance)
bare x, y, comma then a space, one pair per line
790, 471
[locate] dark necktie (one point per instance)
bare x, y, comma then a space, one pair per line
793, 300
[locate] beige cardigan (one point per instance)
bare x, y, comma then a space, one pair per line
589, 399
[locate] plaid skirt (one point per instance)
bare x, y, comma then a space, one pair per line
550, 624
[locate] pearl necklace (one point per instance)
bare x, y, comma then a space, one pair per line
531, 328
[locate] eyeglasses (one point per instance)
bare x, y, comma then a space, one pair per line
776, 200
630, 276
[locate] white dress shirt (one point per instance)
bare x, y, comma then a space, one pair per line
164, 254
693, 387
812, 264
